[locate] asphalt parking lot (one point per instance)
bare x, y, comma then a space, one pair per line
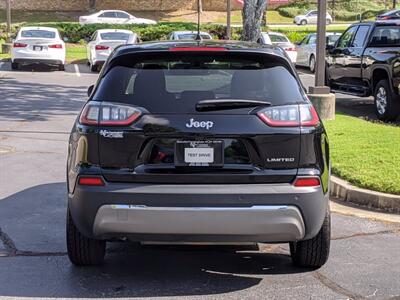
37, 109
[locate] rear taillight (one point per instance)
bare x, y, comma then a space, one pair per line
101, 47
307, 182
19, 45
92, 181
290, 49
56, 46
289, 116
108, 114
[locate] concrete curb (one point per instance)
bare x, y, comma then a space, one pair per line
349, 193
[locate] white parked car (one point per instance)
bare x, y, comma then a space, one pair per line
188, 35
307, 48
281, 40
103, 42
113, 17
38, 45
311, 18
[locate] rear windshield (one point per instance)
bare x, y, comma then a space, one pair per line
278, 38
45, 34
192, 36
386, 36
109, 36
176, 84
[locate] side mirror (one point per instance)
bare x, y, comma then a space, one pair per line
65, 39
329, 48
90, 90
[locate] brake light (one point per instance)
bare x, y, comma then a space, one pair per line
289, 116
56, 46
109, 114
101, 47
290, 49
19, 45
307, 182
92, 181
197, 49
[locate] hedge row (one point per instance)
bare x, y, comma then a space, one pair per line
77, 33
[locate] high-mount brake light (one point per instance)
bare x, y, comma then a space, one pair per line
101, 47
109, 114
289, 115
19, 45
56, 46
198, 49
307, 182
92, 181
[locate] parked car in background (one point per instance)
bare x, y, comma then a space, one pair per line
390, 15
198, 142
38, 45
104, 41
307, 48
365, 61
281, 40
311, 18
113, 17
188, 35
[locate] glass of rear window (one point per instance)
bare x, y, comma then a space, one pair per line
175, 83
44, 34
114, 36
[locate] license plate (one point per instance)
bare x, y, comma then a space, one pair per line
199, 153
37, 48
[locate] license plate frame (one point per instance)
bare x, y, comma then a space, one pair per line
37, 48
201, 153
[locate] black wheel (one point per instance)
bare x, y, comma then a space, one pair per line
83, 251
313, 253
387, 104
328, 21
94, 68
61, 67
303, 22
311, 63
14, 66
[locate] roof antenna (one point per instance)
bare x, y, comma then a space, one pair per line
198, 36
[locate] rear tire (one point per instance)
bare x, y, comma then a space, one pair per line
311, 64
83, 251
14, 66
328, 22
61, 67
94, 68
313, 253
386, 103
303, 22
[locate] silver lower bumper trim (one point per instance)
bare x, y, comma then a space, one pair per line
271, 223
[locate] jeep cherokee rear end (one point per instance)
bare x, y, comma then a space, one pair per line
198, 142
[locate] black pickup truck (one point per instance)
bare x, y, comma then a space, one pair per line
365, 61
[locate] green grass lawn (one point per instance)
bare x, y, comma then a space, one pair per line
364, 153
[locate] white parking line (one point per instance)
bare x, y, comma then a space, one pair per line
76, 67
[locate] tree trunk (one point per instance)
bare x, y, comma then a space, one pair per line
252, 16
92, 4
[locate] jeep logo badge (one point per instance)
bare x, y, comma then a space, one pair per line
200, 124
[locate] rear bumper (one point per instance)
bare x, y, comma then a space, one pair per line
273, 223
38, 61
201, 212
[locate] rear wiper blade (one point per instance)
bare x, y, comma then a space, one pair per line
210, 105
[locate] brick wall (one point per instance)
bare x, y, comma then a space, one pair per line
135, 5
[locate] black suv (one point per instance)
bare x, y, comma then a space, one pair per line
191, 142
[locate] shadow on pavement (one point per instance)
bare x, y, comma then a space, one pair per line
34, 219
38, 102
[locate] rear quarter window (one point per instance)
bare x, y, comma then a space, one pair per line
176, 83
385, 36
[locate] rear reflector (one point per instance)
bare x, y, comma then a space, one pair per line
289, 115
198, 49
307, 182
56, 46
93, 181
101, 47
19, 45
